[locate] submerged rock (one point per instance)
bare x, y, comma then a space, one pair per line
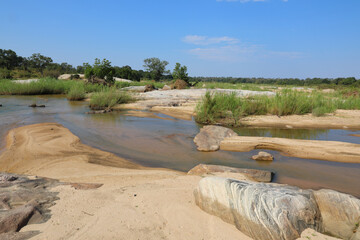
261, 211
252, 174
35, 105
263, 156
99, 111
210, 137
340, 213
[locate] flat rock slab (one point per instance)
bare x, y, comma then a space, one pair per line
263, 211
310, 234
310, 149
210, 137
250, 174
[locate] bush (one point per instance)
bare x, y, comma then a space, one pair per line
108, 99
5, 73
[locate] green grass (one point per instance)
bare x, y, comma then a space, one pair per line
141, 83
228, 109
108, 98
45, 86
76, 92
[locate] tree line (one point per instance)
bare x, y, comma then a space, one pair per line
13, 66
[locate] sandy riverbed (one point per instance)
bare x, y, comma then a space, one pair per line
133, 203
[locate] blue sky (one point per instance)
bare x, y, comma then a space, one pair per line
243, 38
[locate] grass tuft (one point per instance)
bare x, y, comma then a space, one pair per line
108, 98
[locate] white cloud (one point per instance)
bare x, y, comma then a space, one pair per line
204, 40
232, 50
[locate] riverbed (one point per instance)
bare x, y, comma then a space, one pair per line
164, 141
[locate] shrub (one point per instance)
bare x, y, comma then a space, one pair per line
108, 99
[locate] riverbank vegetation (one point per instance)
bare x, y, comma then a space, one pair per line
228, 109
109, 98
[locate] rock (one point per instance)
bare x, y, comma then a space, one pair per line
19, 198
340, 213
263, 156
263, 211
13, 220
122, 80
135, 88
149, 88
311, 234
34, 105
0, 105
210, 137
252, 174
166, 87
99, 111
65, 77
180, 84
18, 235
85, 186
7, 177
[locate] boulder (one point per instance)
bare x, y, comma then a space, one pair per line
251, 174
263, 211
210, 137
180, 84
149, 88
166, 87
135, 88
263, 156
13, 220
65, 77
340, 213
122, 80
311, 234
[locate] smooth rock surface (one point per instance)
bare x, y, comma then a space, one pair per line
250, 174
261, 211
263, 156
340, 213
166, 87
210, 137
122, 80
311, 234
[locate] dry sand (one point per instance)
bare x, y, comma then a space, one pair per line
133, 203
311, 149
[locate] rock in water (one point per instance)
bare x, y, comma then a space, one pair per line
252, 174
263, 156
261, 211
210, 137
340, 213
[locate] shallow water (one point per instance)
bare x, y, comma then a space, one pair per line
157, 142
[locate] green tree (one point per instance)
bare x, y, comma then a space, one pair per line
155, 67
100, 69
39, 62
9, 59
180, 72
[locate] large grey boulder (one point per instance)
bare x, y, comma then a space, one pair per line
261, 211
250, 174
210, 137
340, 213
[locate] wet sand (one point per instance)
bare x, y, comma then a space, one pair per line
134, 202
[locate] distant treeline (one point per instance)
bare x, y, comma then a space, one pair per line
349, 81
13, 66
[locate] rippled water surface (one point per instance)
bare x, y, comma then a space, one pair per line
168, 143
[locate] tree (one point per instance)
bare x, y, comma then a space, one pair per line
180, 72
39, 61
9, 59
100, 69
155, 67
